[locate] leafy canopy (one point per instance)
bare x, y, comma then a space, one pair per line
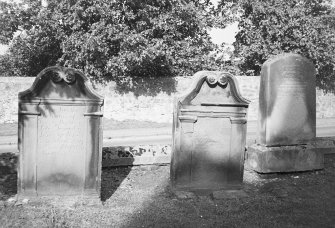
267, 28
109, 40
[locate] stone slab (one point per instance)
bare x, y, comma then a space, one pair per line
284, 159
287, 101
209, 134
60, 136
115, 162
136, 155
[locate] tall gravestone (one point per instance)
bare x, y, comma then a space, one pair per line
209, 134
60, 136
286, 121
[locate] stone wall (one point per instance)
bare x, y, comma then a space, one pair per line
9, 88
156, 108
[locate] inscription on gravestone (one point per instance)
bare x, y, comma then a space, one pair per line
286, 117
287, 101
293, 83
60, 137
66, 128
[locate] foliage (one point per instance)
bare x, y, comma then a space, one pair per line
267, 28
36, 44
6, 68
111, 40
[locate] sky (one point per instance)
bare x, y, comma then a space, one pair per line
226, 35
3, 49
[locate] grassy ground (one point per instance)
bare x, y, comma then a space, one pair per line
142, 197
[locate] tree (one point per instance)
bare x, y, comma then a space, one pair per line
37, 44
267, 28
110, 40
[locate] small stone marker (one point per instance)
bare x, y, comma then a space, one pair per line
60, 136
209, 134
286, 118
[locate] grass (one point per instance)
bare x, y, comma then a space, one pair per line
142, 197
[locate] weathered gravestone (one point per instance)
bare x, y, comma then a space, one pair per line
209, 134
60, 136
286, 121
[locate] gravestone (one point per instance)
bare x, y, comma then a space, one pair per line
60, 136
286, 121
209, 134
287, 101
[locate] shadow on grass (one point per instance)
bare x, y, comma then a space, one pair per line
111, 178
290, 200
8, 186
8, 175
142, 197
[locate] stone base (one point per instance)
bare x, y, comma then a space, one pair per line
284, 158
221, 194
229, 194
66, 200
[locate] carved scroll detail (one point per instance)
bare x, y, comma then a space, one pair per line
220, 79
68, 76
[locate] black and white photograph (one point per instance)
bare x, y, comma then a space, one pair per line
167, 113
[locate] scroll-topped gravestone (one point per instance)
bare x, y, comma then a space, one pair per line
60, 137
209, 133
287, 117
287, 101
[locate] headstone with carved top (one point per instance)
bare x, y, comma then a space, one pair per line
60, 136
209, 134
